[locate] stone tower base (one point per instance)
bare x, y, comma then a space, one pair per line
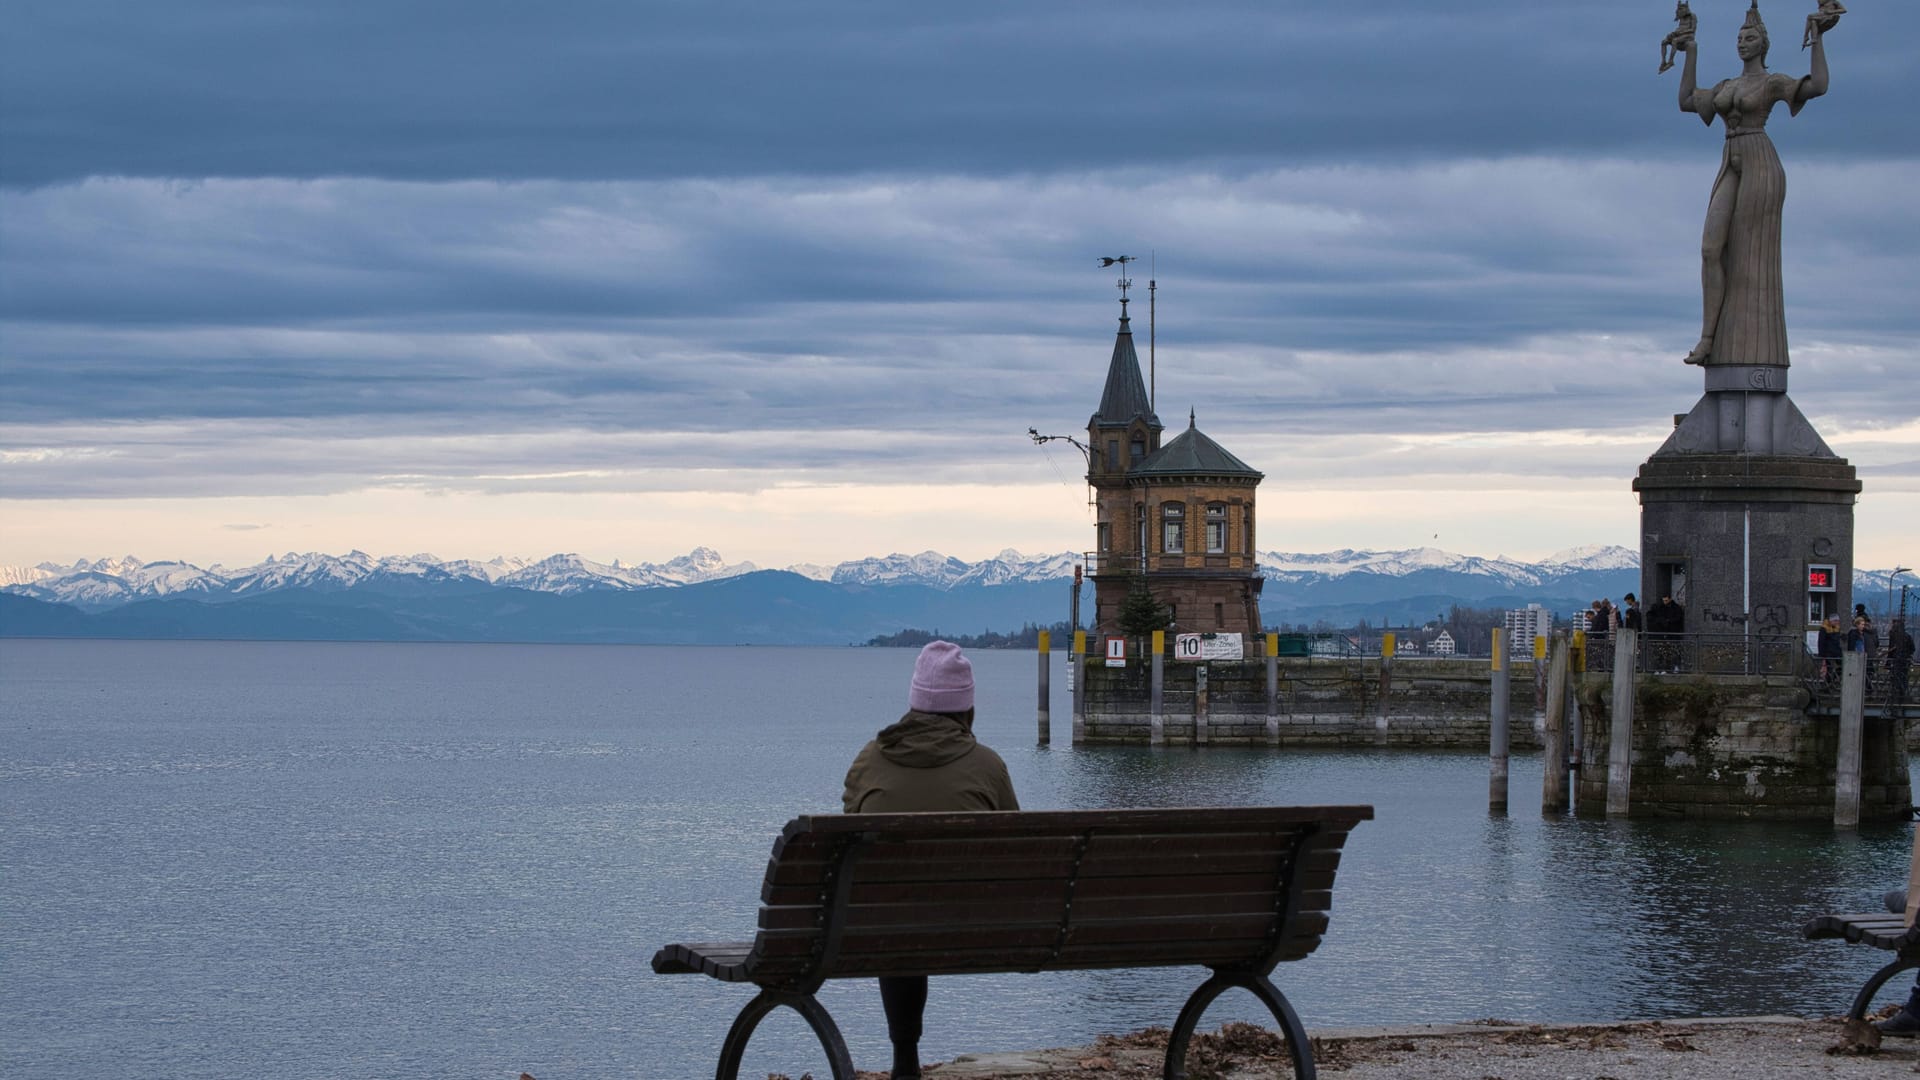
1734, 747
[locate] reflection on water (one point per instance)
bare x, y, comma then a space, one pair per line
263, 860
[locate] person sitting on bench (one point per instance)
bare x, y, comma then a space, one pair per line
929, 760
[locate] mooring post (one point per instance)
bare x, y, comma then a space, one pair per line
1200, 704
1156, 716
1273, 689
1853, 711
1540, 684
1553, 783
1576, 723
1620, 745
1077, 675
1046, 688
1497, 733
1387, 642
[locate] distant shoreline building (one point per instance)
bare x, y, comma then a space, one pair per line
1178, 518
1526, 624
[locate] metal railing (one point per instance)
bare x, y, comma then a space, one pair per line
1708, 654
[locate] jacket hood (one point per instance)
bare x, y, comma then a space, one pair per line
925, 740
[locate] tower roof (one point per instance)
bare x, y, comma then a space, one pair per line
1125, 397
1192, 453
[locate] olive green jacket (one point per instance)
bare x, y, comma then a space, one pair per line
927, 761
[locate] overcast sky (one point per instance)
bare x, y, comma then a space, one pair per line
792, 280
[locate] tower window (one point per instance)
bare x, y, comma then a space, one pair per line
1138, 451
1173, 522
1216, 528
1104, 536
1113, 455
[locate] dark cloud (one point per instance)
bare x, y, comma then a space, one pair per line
612, 247
596, 89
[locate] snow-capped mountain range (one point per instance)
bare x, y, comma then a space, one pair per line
106, 583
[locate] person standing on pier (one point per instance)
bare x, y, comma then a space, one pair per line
927, 761
1899, 661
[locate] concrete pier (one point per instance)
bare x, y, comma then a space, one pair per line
1553, 784
1620, 744
1853, 712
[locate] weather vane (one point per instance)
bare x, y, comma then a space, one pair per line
1125, 282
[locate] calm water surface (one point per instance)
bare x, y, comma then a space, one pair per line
423, 861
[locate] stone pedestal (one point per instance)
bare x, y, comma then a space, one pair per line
1742, 500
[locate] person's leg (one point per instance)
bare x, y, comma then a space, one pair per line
904, 997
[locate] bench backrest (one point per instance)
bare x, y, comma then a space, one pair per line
854, 895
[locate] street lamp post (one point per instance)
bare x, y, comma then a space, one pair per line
1897, 571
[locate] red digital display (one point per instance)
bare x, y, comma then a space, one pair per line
1820, 579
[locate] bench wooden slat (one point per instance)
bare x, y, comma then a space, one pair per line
988, 823
1142, 887
1878, 929
1040, 890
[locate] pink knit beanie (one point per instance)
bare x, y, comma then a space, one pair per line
942, 680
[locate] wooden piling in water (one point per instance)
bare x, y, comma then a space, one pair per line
1200, 705
1540, 685
1853, 711
1079, 677
1046, 688
1497, 742
1553, 784
1273, 689
1387, 642
1156, 713
1620, 743
1576, 723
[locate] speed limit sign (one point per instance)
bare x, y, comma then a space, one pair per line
1186, 647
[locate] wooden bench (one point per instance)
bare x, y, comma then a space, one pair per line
1895, 932
1882, 931
854, 896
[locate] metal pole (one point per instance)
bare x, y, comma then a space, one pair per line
1620, 748
1046, 688
1853, 710
1497, 741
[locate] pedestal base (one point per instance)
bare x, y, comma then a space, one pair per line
1734, 536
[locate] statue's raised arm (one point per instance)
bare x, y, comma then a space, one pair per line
1744, 317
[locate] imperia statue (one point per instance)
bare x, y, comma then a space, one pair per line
1744, 318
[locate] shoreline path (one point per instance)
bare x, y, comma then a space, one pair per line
1747, 1048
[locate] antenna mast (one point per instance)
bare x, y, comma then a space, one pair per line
1153, 286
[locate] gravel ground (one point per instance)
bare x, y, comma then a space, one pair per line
1749, 1048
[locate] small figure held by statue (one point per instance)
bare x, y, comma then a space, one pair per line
1681, 36
1818, 23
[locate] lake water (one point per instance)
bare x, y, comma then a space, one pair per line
274, 860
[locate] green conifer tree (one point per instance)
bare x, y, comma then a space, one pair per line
1141, 614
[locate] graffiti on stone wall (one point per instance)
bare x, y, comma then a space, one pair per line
1764, 617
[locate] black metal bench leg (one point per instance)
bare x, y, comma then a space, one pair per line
1296, 1034
1864, 999
809, 1009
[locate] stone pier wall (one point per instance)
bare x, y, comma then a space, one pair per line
1320, 702
1735, 747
